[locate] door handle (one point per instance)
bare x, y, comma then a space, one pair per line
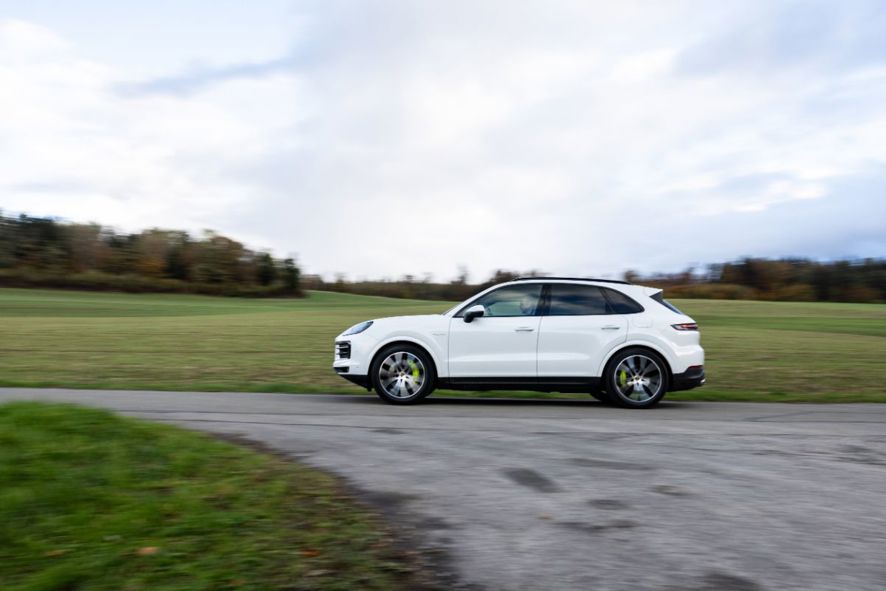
524, 329
611, 327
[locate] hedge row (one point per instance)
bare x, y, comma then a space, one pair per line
98, 281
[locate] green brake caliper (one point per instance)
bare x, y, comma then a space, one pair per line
623, 378
414, 367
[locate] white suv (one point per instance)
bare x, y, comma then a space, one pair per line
622, 343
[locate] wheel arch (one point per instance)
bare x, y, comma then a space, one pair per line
639, 345
406, 341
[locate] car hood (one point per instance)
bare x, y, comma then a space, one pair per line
405, 324
412, 320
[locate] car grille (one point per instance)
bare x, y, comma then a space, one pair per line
343, 350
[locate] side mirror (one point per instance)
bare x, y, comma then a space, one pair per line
474, 312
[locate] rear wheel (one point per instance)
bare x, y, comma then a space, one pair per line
636, 378
402, 374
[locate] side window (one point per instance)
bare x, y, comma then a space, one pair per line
569, 299
513, 300
620, 303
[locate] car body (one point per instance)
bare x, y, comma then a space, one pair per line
623, 343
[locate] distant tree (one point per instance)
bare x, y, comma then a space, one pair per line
463, 276
501, 276
122, 254
266, 270
8, 235
38, 243
291, 275
179, 257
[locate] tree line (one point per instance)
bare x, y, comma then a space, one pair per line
745, 279
786, 279
42, 252
411, 287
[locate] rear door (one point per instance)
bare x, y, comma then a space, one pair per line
502, 343
577, 331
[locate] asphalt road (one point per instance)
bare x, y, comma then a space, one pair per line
550, 495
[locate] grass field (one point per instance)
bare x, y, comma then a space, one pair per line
94, 501
755, 350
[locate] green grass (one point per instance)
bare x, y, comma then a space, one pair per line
791, 351
755, 350
93, 501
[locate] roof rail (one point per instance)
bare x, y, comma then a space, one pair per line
573, 279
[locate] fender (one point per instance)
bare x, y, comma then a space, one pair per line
439, 366
637, 343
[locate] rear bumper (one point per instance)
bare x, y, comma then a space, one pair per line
691, 378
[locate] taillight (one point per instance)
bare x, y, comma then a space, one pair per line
685, 326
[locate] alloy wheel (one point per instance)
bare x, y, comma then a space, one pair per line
401, 375
638, 378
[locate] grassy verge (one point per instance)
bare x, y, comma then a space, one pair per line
784, 351
94, 501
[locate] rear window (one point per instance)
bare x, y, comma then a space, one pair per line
659, 297
576, 300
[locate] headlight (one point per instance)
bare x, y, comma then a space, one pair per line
357, 328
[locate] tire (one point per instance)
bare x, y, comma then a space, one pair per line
601, 396
636, 378
402, 374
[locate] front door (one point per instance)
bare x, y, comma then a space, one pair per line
502, 343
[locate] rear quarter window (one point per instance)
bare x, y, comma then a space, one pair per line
619, 303
659, 297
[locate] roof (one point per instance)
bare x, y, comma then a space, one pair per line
571, 279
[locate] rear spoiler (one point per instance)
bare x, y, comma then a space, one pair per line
651, 291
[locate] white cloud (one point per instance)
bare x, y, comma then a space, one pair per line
81, 151
21, 40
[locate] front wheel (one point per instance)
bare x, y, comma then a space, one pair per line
402, 374
636, 378
601, 396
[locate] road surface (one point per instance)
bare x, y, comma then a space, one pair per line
551, 495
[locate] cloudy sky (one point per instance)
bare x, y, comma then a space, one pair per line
392, 137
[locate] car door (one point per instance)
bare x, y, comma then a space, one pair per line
577, 331
501, 343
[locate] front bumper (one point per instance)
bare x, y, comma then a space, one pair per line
346, 362
355, 379
693, 377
